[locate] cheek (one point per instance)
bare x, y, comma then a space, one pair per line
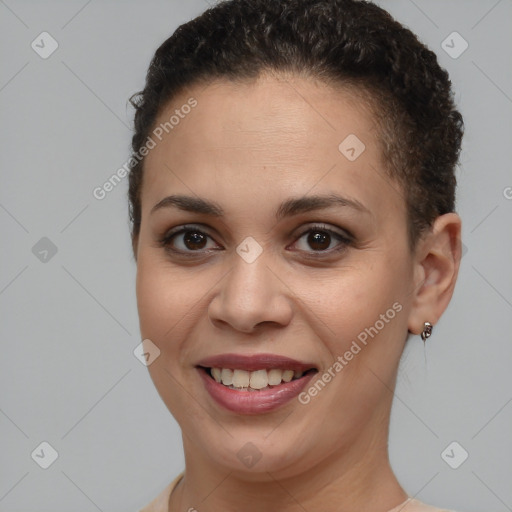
356, 295
165, 297
362, 305
165, 302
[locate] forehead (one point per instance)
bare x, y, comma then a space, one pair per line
269, 114
270, 136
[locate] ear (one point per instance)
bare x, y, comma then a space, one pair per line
436, 266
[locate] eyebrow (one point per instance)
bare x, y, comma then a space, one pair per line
288, 208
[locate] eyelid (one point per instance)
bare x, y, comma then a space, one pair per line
185, 227
321, 226
302, 230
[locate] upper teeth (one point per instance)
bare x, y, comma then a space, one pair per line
258, 379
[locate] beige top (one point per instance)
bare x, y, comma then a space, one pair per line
161, 502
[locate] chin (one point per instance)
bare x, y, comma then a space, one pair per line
251, 452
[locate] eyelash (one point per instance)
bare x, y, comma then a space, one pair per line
346, 241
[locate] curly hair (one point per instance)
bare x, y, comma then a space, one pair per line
350, 43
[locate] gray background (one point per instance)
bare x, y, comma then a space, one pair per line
69, 325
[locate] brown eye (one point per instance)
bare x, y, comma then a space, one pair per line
187, 239
319, 240
322, 241
194, 240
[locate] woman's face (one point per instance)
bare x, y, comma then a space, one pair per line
302, 254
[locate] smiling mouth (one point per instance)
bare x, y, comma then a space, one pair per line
258, 380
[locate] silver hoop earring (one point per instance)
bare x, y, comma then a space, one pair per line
427, 331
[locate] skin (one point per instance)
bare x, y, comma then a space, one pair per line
248, 147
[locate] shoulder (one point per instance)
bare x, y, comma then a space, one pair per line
413, 505
160, 503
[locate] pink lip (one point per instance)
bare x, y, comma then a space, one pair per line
254, 362
253, 402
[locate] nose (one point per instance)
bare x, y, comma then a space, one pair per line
251, 295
